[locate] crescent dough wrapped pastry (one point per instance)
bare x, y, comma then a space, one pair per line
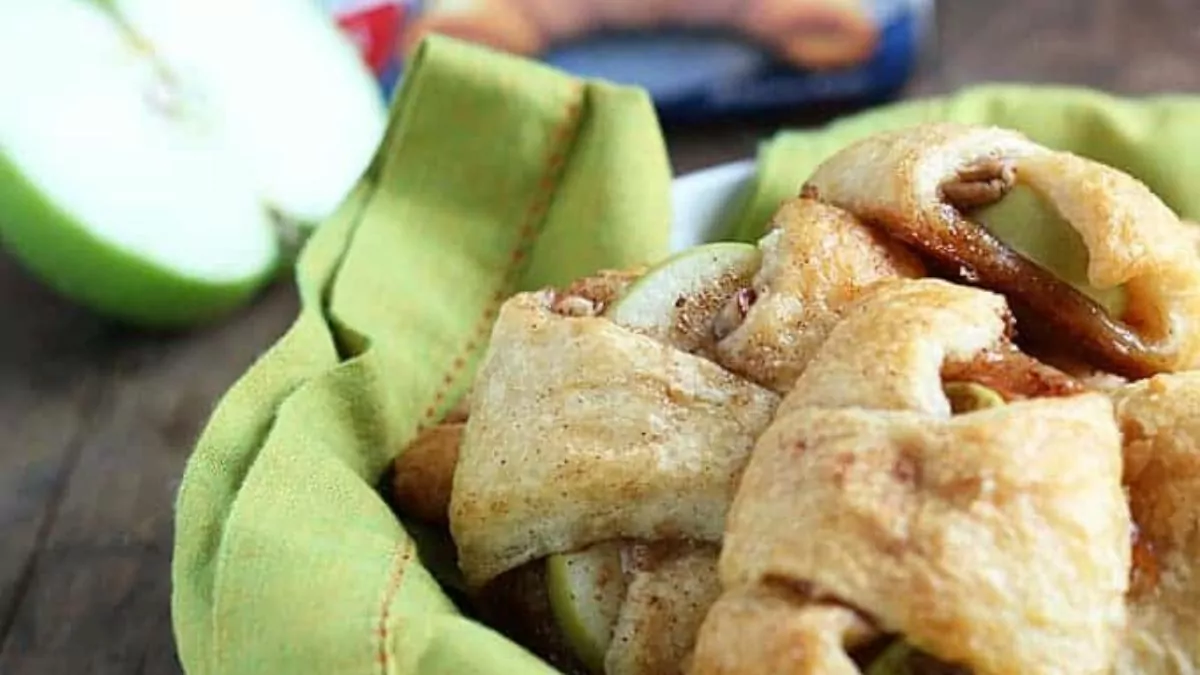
930, 186
1162, 474
582, 432
671, 589
817, 259
423, 473
996, 539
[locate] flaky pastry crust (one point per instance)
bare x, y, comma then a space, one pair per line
581, 432
1162, 473
901, 181
671, 588
817, 259
997, 539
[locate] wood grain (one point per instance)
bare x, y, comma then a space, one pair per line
96, 421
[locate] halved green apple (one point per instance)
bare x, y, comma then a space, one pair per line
678, 299
150, 151
586, 591
1032, 227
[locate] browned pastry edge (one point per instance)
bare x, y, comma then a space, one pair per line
423, 473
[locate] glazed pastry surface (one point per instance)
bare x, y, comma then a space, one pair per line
996, 539
581, 432
671, 588
817, 259
1162, 473
921, 184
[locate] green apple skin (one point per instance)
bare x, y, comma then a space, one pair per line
102, 277
586, 589
893, 661
179, 226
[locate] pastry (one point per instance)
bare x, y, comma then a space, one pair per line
816, 260
1091, 254
593, 445
582, 432
423, 472
994, 539
1162, 474
605, 435
909, 431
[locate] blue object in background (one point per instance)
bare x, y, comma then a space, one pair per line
694, 76
702, 75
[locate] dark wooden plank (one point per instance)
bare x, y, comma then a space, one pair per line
50, 381
104, 422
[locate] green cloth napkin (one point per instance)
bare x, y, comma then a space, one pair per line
1151, 138
496, 175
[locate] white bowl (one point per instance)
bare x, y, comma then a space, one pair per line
700, 202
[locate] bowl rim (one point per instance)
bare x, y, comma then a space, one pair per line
701, 200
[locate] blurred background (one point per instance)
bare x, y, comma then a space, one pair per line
105, 383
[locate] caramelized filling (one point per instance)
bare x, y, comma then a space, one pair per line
590, 296
1012, 375
965, 251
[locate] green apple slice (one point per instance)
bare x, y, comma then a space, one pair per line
966, 397
129, 185
677, 300
1032, 227
586, 591
895, 660
901, 658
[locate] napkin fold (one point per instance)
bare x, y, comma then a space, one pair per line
496, 175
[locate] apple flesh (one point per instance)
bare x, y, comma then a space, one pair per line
966, 397
1032, 227
901, 658
150, 152
677, 301
895, 660
586, 590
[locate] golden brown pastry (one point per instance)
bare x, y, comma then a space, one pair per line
1136, 308
811, 34
995, 539
817, 259
671, 588
596, 427
582, 432
1160, 418
770, 628
424, 473
1193, 232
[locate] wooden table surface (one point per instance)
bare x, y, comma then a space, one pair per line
97, 421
